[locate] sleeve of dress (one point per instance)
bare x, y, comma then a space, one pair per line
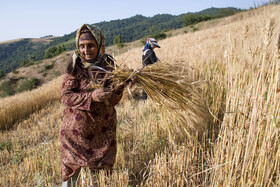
116, 96
71, 96
153, 57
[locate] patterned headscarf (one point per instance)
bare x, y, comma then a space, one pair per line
98, 36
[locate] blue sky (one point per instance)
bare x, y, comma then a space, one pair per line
37, 18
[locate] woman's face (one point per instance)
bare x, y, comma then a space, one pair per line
88, 48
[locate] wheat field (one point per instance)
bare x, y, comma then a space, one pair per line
237, 61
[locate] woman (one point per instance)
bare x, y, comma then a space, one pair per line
149, 56
88, 131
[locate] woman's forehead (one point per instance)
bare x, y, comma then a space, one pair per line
87, 42
86, 36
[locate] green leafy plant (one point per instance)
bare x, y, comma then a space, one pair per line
28, 84
54, 51
6, 88
48, 66
2, 74
118, 41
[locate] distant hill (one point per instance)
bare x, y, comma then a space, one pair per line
137, 27
12, 54
218, 11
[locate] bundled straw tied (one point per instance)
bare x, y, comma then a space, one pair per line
171, 87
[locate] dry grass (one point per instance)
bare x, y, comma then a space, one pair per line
174, 91
238, 60
20, 106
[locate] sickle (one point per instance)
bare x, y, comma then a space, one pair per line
90, 68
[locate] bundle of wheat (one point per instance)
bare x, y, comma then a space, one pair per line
171, 88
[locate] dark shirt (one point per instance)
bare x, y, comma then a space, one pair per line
149, 57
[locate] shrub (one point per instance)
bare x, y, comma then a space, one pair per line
48, 66
54, 51
194, 29
2, 74
192, 19
28, 84
118, 41
159, 35
120, 45
26, 63
6, 89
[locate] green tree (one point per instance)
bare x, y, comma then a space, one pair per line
6, 88
191, 19
118, 41
28, 62
28, 84
2, 74
54, 51
159, 35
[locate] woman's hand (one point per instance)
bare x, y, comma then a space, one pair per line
101, 94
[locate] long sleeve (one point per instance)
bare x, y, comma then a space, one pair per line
116, 97
149, 57
71, 96
153, 57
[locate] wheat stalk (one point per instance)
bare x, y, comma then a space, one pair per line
170, 87
278, 64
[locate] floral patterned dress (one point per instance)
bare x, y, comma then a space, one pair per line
88, 131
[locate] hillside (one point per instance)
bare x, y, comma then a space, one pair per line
46, 70
236, 60
36, 72
12, 54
